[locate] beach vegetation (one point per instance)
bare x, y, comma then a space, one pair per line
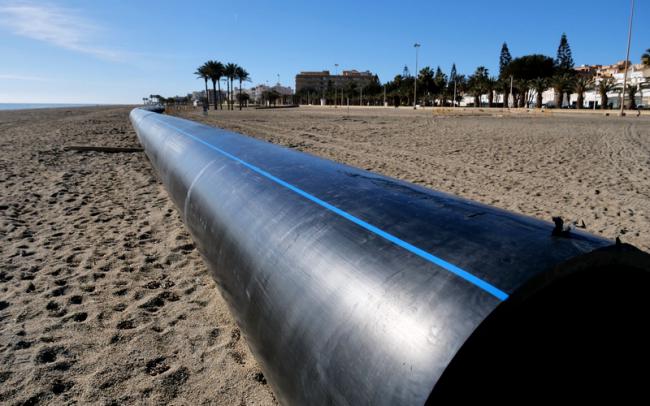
203, 73
606, 86
582, 84
230, 72
242, 76
215, 71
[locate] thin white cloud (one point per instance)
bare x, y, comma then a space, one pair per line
8, 76
58, 26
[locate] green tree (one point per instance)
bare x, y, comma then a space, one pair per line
564, 59
582, 84
406, 89
504, 60
504, 85
491, 84
426, 83
645, 58
351, 90
215, 72
271, 96
539, 85
440, 83
453, 73
203, 73
521, 90
373, 89
605, 86
453, 80
230, 72
242, 98
242, 76
461, 87
530, 67
523, 70
561, 84
476, 84
393, 89
632, 90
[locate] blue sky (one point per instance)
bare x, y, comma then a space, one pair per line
119, 51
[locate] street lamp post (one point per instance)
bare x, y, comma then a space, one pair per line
415, 82
627, 59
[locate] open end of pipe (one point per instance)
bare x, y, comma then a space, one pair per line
583, 336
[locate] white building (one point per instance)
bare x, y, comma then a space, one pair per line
256, 92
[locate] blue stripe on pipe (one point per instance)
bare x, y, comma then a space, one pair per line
498, 293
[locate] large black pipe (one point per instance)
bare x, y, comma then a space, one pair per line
354, 288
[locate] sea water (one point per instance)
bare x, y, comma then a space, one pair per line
26, 106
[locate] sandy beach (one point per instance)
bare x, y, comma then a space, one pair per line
103, 298
583, 166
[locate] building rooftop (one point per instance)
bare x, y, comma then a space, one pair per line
315, 73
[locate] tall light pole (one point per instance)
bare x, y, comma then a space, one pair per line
415, 82
627, 59
336, 73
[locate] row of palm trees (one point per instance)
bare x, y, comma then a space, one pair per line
438, 89
529, 92
524, 79
215, 71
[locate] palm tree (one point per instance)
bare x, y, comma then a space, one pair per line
203, 73
580, 86
490, 87
230, 71
521, 92
645, 58
504, 84
477, 91
561, 84
215, 72
632, 90
477, 84
242, 76
605, 86
539, 85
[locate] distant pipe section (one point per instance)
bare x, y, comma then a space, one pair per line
353, 288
